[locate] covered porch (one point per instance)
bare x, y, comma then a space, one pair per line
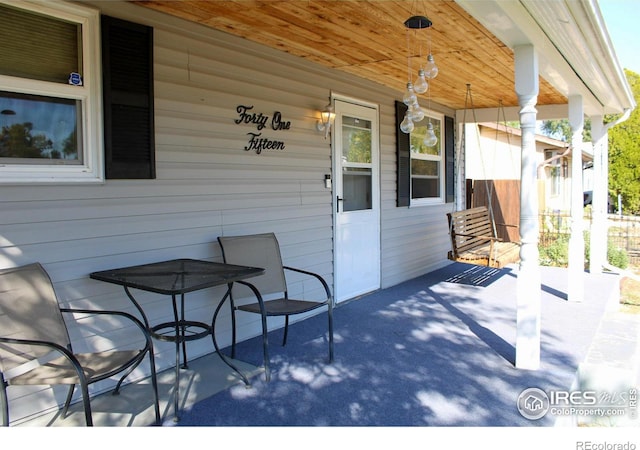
437, 350
205, 184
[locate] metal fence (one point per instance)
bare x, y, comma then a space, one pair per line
624, 233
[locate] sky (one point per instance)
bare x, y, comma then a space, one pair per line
621, 19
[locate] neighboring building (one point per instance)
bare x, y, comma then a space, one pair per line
493, 152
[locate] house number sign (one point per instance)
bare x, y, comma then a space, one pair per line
257, 143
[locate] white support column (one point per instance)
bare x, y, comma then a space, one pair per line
529, 284
599, 207
576, 240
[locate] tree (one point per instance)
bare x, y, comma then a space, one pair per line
560, 129
69, 145
624, 154
17, 141
624, 149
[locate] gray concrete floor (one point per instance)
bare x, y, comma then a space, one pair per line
609, 355
132, 407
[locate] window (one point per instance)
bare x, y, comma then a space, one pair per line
427, 180
425, 173
49, 97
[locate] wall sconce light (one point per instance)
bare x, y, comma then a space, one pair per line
326, 118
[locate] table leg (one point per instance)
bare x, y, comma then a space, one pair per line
176, 397
184, 330
138, 307
146, 324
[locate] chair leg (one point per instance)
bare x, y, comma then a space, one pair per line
68, 401
286, 330
116, 391
233, 326
154, 385
265, 348
330, 314
85, 401
154, 381
87, 404
4, 402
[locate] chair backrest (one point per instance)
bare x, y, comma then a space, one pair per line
29, 309
257, 250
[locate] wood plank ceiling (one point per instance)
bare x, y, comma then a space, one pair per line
369, 39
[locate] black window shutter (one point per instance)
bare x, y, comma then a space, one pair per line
449, 155
127, 63
403, 190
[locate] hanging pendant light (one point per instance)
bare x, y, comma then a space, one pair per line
407, 126
430, 139
431, 70
410, 96
421, 85
415, 113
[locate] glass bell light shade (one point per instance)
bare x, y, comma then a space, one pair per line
327, 115
406, 126
430, 139
416, 113
421, 85
410, 96
431, 70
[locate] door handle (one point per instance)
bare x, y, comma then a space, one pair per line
338, 200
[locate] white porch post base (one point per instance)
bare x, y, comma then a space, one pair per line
528, 319
576, 264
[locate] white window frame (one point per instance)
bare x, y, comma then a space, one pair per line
441, 159
89, 95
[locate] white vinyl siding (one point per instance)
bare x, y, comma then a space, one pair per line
208, 186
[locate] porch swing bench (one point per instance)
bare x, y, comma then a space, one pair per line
473, 240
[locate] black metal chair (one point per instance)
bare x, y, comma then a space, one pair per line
35, 348
263, 250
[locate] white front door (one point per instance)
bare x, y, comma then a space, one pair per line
357, 199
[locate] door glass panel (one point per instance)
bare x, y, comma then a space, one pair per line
356, 164
356, 140
356, 186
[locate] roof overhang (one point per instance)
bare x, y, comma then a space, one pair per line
575, 52
473, 41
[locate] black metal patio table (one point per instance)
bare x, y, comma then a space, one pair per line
176, 278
